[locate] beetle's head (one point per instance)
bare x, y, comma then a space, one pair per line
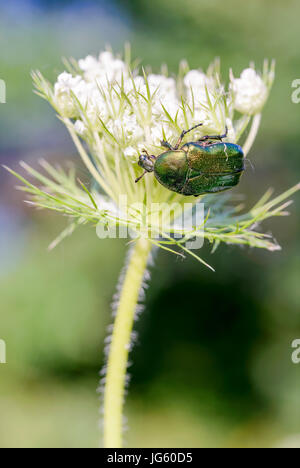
146, 161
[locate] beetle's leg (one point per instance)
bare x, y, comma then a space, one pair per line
225, 133
166, 144
214, 137
183, 133
146, 152
139, 178
210, 137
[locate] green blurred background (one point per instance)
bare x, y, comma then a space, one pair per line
212, 366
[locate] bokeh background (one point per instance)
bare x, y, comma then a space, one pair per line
212, 367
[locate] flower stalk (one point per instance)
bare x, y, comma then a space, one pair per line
113, 112
120, 344
252, 134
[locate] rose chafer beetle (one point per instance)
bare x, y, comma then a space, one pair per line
198, 167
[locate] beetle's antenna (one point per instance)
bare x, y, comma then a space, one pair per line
190, 129
139, 178
250, 164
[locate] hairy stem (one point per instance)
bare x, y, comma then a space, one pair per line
120, 344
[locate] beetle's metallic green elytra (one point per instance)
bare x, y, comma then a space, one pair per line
197, 167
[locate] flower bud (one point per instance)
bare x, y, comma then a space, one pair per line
249, 92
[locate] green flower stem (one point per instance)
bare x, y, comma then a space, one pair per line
120, 344
252, 134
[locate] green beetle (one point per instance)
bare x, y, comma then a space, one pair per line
197, 167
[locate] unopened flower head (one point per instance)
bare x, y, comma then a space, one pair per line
250, 91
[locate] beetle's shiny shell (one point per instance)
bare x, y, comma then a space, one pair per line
196, 168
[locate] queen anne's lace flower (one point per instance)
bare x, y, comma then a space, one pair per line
139, 112
249, 92
105, 69
63, 88
164, 90
113, 114
198, 84
120, 112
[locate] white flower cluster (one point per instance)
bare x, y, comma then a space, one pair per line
119, 112
113, 114
138, 110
